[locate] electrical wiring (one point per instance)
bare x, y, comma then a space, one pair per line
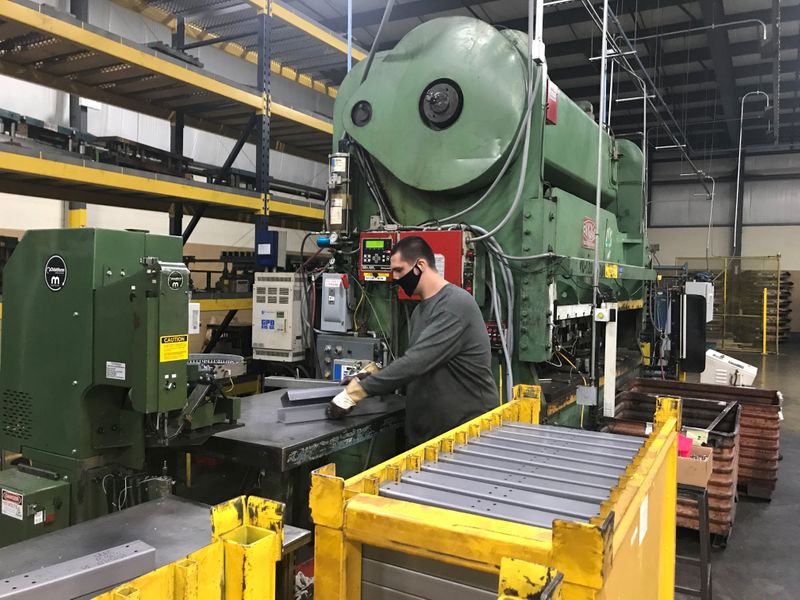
375, 314
503, 340
357, 308
572, 364
523, 167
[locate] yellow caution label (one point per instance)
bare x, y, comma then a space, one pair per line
612, 271
173, 347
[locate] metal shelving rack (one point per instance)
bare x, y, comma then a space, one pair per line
55, 49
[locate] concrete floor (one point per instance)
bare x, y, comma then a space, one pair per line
760, 561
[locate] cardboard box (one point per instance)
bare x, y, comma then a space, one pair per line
696, 469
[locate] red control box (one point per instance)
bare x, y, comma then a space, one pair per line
454, 260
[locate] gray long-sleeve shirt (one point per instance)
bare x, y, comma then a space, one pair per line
446, 369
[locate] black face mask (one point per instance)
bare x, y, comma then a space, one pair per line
409, 282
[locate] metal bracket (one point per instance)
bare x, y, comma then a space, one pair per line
82, 576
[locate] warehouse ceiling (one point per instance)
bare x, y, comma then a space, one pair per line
701, 75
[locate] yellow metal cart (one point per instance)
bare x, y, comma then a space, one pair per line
400, 528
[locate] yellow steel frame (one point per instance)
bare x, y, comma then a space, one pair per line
239, 563
312, 29
628, 551
152, 186
209, 304
297, 116
76, 217
296, 210
278, 11
89, 39
43, 167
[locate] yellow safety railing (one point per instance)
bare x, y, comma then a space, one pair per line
238, 564
627, 551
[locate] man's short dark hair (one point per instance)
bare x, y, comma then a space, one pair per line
412, 248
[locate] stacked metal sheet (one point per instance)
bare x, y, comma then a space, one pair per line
716, 420
779, 298
530, 474
759, 428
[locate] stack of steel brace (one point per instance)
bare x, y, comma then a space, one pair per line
530, 474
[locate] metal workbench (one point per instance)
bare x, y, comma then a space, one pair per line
266, 443
173, 526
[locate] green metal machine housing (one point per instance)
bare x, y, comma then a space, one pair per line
435, 120
94, 369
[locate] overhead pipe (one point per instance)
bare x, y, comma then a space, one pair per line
713, 26
598, 193
739, 162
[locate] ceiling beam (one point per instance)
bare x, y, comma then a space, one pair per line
714, 12
407, 10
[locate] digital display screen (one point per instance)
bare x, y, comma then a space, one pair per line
374, 244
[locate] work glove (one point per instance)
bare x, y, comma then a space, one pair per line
345, 401
370, 368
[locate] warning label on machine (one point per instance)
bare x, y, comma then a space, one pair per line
11, 504
115, 370
173, 347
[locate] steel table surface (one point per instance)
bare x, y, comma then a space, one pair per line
265, 442
174, 526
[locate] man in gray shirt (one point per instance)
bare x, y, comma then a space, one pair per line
447, 367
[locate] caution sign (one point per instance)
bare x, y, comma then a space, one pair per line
11, 505
173, 347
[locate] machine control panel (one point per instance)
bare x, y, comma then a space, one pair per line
374, 253
494, 334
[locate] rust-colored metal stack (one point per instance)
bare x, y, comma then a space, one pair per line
760, 432
718, 422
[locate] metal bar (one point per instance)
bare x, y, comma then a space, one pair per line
225, 170
391, 580
316, 412
504, 454
533, 444
561, 438
550, 472
466, 576
724, 413
721, 60
277, 381
175, 218
577, 432
217, 334
564, 489
540, 450
602, 122
471, 505
198, 214
217, 40
263, 135
349, 35
82, 576
314, 395
504, 494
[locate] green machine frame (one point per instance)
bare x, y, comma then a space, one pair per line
93, 371
433, 127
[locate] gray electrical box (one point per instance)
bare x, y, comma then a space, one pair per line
342, 355
335, 312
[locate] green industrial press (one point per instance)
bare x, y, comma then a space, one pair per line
458, 135
96, 380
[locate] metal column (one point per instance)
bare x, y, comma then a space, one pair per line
737, 225
262, 121
176, 127
78, 119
